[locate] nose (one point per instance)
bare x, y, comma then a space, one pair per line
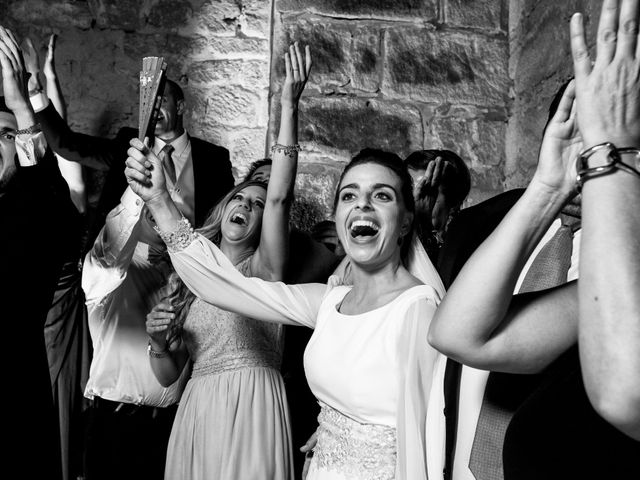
246, 205
364, 202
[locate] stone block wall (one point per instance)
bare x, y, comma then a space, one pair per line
540, 62
400, 75
395, 74
217, 50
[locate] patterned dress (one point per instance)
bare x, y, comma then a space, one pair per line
233, 420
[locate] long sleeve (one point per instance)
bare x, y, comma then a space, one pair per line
94, 152
106, 265
417, 363
211, 276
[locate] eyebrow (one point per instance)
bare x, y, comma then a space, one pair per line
375, 186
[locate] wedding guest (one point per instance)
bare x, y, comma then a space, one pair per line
66, 329
233, 419
193, 164
124, 277
35, 218
441, 183
553, 428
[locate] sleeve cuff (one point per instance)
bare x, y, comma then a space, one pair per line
39, 102
30, 148
131, 201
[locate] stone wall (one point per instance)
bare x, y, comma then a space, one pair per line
395, 74
401, 75
540, 62
217, 50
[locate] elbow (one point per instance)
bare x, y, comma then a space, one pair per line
620, 409
438, 340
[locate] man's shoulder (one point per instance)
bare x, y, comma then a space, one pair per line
199, 143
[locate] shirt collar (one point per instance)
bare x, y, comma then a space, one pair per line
179, 144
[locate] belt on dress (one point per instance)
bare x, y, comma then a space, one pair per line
130, 409
363, 451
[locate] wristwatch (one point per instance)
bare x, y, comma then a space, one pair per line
152, 353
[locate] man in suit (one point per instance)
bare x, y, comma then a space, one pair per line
124, 277
204, 166
36, 226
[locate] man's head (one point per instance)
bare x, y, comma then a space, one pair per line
453, 187
169, 125
8, 127
260, 170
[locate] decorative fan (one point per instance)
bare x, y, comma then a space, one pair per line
152, 77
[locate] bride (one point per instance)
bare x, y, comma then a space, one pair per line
368, 361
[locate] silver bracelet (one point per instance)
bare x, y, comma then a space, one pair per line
288, 150
155, 354
178, 239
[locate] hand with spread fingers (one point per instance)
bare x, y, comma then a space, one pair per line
608, 90
297, 69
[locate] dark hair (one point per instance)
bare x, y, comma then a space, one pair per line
174, 89
179, 295
456, 181
255, 166
394, 163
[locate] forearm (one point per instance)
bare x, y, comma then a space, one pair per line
477, 304
273, 249
55, 95
609, 297
167, 369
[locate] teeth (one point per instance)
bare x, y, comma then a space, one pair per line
364, 224
239, 218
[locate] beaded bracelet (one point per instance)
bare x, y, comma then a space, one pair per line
614, 162
178, 239
288, 150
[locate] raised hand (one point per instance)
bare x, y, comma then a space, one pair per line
144, 171
14, 73
297, 70
425, 190
560, 147
158, 322
32, 64
49, 67
608, 92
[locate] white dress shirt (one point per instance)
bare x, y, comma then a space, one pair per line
121, 287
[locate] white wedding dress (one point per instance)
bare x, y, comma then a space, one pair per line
371, 372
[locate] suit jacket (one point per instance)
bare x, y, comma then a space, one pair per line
36, 225
555, 433
466, 232
211, 165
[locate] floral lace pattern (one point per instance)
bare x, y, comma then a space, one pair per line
359, 451
178, 239
221, 341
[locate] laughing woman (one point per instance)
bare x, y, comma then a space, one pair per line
368, 361
232, 421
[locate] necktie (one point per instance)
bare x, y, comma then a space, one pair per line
167, 162
504, 393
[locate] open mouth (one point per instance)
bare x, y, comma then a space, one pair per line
363, 229
239, 218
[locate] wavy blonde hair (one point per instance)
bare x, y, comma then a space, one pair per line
179, 296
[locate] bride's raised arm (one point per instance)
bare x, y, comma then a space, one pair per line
203, 267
